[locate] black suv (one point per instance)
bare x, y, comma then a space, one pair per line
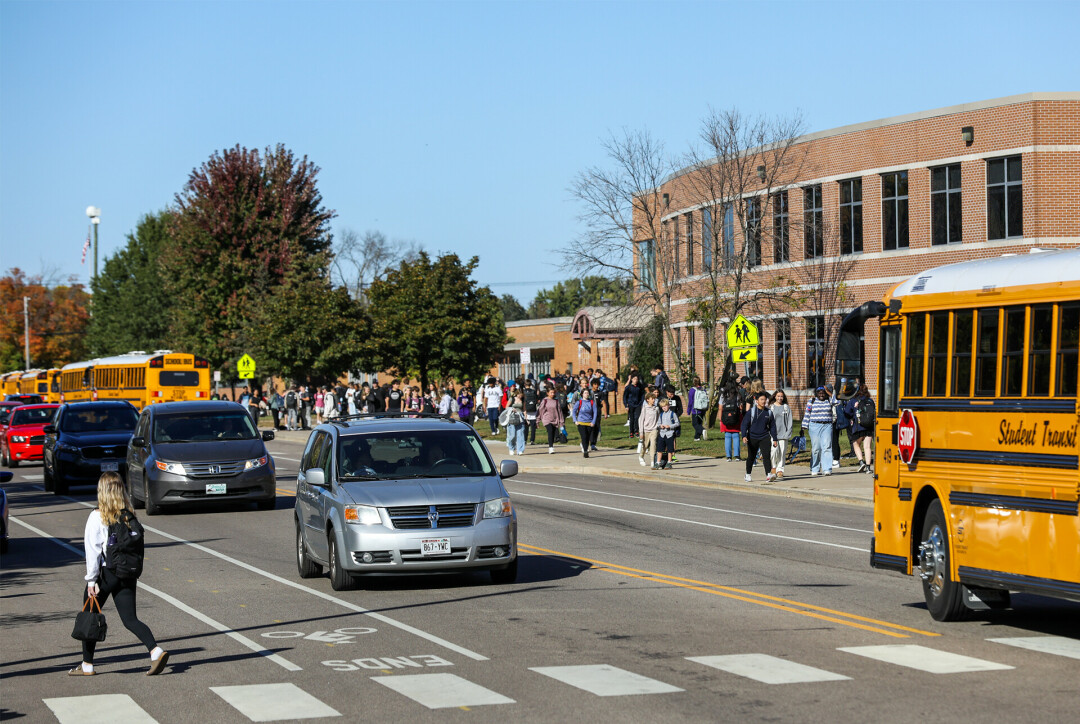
190, 452
85, 440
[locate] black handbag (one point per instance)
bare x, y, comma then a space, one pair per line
90, 624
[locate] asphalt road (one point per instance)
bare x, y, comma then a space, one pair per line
636, 601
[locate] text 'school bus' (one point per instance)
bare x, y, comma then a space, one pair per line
140, 378
976, 476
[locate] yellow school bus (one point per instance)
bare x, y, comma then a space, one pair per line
140, 378
9, 383
978, 392
35, 382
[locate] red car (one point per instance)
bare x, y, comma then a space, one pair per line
25, 434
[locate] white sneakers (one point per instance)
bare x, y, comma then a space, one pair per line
748, 478
835, 464
704, 434
551, 451
642, 461
770, 478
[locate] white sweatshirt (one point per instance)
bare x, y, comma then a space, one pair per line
95, 537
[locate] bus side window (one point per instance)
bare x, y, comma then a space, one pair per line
986, 353
961, 365
916, 354
1012, 354
1068, 347
938, 356
1042, 330
890, 371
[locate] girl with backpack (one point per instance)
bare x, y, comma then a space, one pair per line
699, 405
731, 413
550, 415
862, 412
587, 418
114, 571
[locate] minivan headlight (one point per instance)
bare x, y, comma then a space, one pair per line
498, 508
174, 468
256, 463
362, 515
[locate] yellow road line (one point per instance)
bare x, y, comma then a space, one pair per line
761, 599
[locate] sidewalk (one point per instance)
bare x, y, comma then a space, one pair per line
843, 486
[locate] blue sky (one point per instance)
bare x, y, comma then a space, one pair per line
459, 125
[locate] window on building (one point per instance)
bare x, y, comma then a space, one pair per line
691, 345
813, 222
1012, 357
986, 348
784, 377
894, 210
1042, 330
945, 222
851, 216
1004, 198
780, 227
689, 243
916, 353
963, 327
707, 240
1068, 349
729, 236
647, 264
676, 248
753, 232
706, 353
815, 351
938, 356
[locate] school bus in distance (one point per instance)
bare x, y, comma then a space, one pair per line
978, 366
41, 382
140, 378
9, 383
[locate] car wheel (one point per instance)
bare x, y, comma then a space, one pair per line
47, 477
943, 596
3, 545
505, 575
12, 463
152, 508
269, 504
306, 567
3, 459
340, 580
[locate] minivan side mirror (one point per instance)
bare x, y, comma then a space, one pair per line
138, 441
50, 430
316, 477
267, 435
508, 468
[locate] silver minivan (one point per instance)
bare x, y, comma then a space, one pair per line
397, 494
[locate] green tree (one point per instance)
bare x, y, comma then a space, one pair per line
58, 317
248, 227
131, 305
567, 297
512, 310
647, 351
428, 318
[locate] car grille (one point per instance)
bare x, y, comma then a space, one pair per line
377, 557
37, 440
97, 452
203, 495
415, 556
459, 515
214, 470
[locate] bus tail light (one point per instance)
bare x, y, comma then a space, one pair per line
93, 396
159, 393
200, 394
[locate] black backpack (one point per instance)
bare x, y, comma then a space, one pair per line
530, 399
730, 415
864, 413
290, 400
124, 549
427, 405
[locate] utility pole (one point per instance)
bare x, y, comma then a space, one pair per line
26, 328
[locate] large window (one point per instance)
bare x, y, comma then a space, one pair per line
890, 371
729, 236
1004, 198
784, 377
963, 333
691, 350
676, 248
647, 263
986, 349
780, 227
916, 349
946, 226
753, 232
1068, 347
707, 241
851, 216
938, 356
894, 210
813, 222
815, 351
689, 243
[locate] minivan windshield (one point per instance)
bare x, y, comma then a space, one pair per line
412, 454
204, 426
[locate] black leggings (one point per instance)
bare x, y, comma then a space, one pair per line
586, 433
123, 593
752, 447
632, 414
530, 431
552, 431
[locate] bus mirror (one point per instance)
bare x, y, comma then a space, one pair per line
846, 387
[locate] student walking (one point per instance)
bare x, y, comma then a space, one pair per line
292, 405
667, 425
699, 407
647, 424
114, 510
781, 413
587, 418
819, 414
493, 402
550, 415
759, 433
841, 422
731, 414
632, 398
863, 413
513, 419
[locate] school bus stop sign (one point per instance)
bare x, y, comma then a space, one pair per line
907, 433
742, 333
246, 367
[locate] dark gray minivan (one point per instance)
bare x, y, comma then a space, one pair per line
197, 452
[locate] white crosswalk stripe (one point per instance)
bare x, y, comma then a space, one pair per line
273, 702
605, 680
98, 709
925, 659
442, 691
767, 669
1056, 645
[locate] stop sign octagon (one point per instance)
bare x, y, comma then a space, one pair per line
907, 436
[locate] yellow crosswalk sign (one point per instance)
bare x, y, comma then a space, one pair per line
744, 354
742, 333
246, 367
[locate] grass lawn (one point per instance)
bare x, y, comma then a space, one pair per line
615, 434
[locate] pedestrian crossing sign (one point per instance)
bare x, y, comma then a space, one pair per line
246, 367
742, 333
744, 354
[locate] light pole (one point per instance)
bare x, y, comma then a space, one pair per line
95, 218
26, 328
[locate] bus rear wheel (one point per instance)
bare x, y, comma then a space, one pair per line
944, 597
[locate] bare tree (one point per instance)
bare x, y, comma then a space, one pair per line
622, 211
737, 177
360, 260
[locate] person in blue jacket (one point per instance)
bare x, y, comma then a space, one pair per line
587, 420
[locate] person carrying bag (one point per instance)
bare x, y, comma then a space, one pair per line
114, 560
90, 625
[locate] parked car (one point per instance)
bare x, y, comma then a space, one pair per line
402, 495
24, 437
5, 476
84, 440
188, 452
26, 398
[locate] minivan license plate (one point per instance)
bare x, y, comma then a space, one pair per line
110, 467
215, 488
435, 547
